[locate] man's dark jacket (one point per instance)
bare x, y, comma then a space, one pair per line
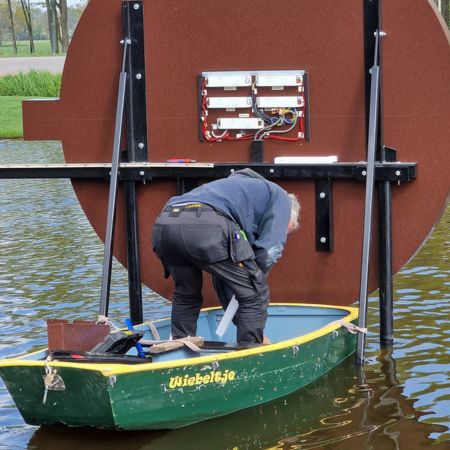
260, 208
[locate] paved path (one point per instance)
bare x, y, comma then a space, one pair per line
18, 64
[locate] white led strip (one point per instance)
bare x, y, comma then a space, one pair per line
228, 80
229, 102
226, 123
279, 102
279, 80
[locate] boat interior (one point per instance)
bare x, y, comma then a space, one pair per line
284, 322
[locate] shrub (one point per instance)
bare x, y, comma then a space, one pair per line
31, 84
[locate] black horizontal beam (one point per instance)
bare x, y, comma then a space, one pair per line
396, 172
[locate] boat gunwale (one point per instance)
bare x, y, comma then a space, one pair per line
111, 369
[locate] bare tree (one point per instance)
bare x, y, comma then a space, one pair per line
445, 10
13, 33
52, 25
64, 36
27, 13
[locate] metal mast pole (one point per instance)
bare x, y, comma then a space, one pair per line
110, 220
371, 150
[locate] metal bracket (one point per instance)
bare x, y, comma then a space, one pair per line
324, 232
388, 154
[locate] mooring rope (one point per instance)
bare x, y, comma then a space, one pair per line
351, 327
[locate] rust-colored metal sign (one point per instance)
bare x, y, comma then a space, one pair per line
184, 39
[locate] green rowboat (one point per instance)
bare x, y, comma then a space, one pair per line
181, 387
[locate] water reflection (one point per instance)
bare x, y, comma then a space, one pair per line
400, 400
422, 335
381, 417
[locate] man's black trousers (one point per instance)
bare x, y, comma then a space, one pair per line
192, 238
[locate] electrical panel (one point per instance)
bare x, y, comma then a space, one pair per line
253, 105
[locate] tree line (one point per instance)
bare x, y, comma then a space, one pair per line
55, 20
39, 19
444, 8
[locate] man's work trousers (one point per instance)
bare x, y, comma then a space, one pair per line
189, 239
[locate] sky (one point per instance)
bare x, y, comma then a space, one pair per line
75, 2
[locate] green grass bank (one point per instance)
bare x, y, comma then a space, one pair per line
43, 48
14, 89
11, 117
32, 83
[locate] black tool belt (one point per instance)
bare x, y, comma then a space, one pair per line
197, 208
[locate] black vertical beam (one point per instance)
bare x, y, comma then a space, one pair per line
386, 290
200, 107
306, 109
371, 25
324, 232
257, 151
186, 184
385, 264
133, 265
136, 108
136, 116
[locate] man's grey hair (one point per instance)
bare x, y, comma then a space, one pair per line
295, 211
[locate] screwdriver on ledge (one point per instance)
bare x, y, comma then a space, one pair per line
180, 160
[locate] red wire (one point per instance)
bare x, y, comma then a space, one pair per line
301, 127
280, 138
243, 137
204, 122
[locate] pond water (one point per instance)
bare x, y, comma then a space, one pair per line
50, 267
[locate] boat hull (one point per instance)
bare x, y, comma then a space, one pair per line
175, 393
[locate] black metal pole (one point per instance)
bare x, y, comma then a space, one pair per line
372, 22
133, 265
386, 290
133, 29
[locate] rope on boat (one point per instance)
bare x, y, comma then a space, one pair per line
106, 321
153, 330
192, 342
52, 381
351, 327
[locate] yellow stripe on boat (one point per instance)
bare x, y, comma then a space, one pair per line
108, 369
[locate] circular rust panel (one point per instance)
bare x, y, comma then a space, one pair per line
185, 38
